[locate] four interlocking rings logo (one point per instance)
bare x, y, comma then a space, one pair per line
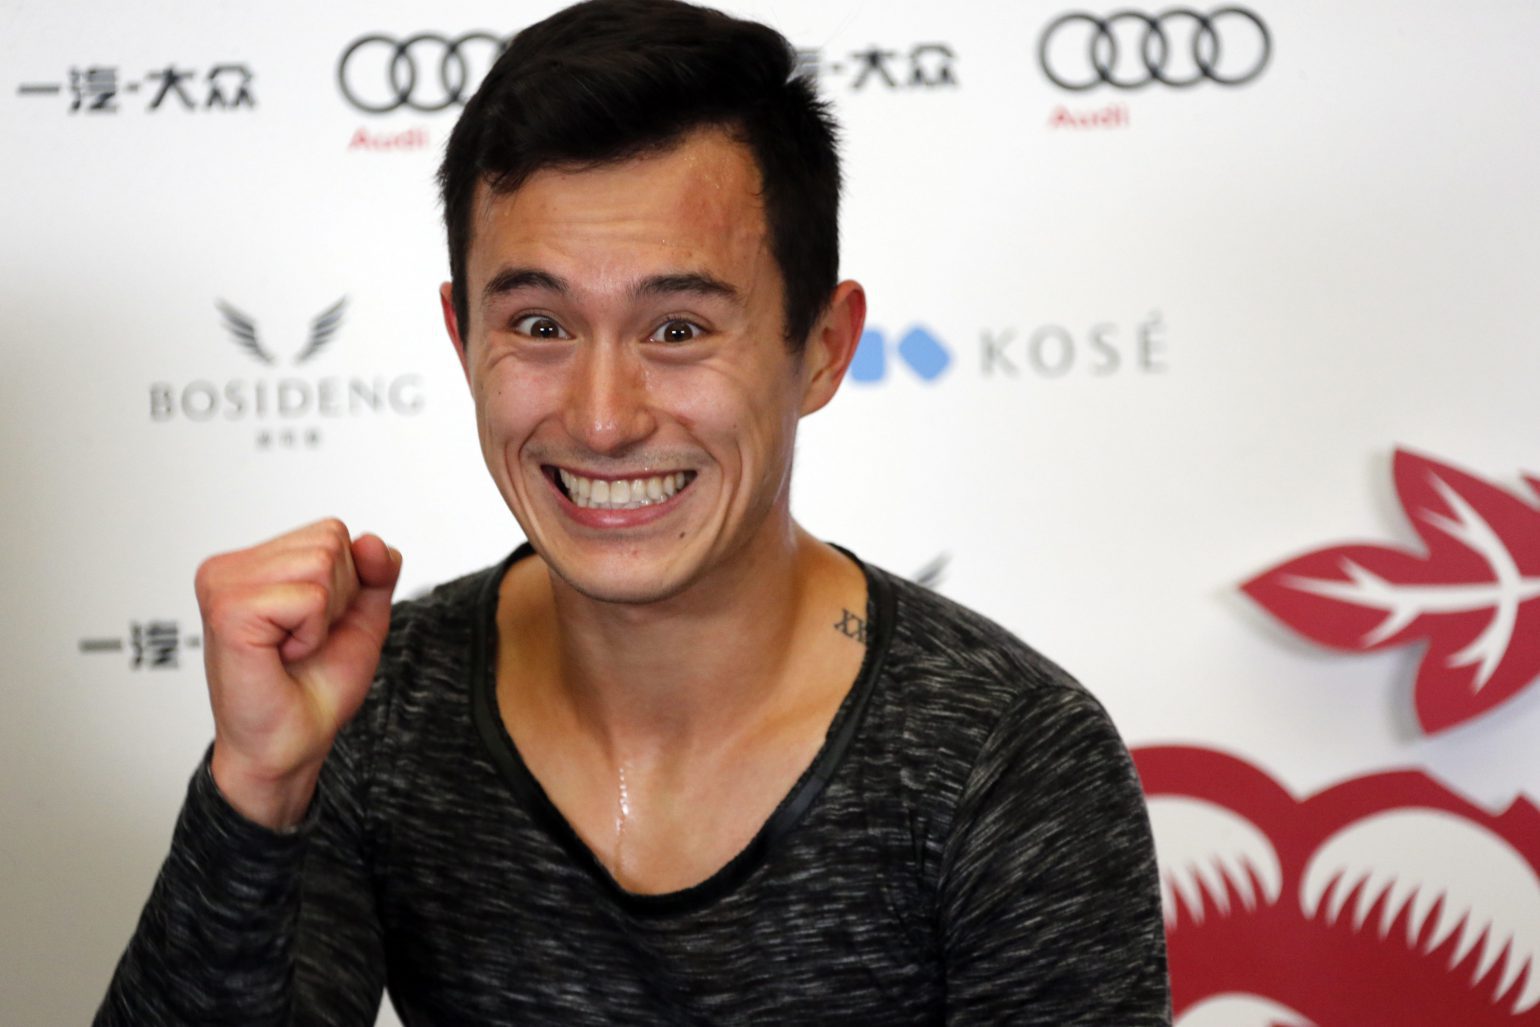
1129, 49
379, 74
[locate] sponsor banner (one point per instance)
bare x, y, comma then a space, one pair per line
1153, 294
432, 73
1383, 899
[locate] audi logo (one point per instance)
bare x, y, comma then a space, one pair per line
1178, 47
379, 74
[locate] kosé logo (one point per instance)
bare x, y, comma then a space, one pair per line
1099, 350
1042, 352
927, 356
288, 409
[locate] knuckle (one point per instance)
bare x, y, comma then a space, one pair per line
335, 528
222, 612
203, 579
315, 564
210, 577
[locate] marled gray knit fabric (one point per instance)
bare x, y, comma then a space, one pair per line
970, 847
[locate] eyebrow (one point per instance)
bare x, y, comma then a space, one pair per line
512, 279
688, 282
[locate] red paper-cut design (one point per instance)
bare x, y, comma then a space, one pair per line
1385, 899
1474, 596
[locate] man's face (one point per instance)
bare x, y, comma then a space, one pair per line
636, 400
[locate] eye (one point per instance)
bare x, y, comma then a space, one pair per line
539, 326
677, 329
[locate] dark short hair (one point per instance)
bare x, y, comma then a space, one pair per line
607, 80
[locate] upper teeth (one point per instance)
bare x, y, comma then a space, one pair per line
623, 495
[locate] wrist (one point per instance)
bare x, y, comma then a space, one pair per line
276, 801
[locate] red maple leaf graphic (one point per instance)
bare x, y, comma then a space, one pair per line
1474, 596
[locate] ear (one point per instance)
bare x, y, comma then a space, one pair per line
452, 325
831, 345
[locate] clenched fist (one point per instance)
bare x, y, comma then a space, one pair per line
292, 633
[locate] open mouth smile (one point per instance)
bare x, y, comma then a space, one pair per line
618, 493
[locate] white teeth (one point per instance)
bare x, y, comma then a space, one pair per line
623, 494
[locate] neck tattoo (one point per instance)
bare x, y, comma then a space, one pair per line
851, 626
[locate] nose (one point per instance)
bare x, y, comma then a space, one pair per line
608, 406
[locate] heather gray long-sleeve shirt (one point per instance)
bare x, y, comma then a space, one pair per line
969, 846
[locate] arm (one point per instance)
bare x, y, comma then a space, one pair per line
1049, 894
246, 925
263, 911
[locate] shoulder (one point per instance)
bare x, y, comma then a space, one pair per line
1032, 830
431, 644
943, 654
964, 704
439, 626
452, 604
422, 682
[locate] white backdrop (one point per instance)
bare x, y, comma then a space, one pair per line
1294, 278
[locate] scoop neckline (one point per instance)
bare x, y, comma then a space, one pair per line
787, 814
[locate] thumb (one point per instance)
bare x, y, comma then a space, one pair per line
379, 568
377, 564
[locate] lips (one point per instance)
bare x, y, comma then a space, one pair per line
619, 493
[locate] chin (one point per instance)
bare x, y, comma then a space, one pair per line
622, 573
637, 589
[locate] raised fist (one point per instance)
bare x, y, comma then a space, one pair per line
292, 633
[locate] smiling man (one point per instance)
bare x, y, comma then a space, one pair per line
674, 760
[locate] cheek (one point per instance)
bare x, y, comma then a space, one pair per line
511, 402
746, 425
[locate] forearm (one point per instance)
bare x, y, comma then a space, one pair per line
216, 940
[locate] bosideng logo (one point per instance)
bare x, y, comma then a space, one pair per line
288, 409
1473, 596
1383, 900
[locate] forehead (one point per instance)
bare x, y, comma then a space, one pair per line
697, 202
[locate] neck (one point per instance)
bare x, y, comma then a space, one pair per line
678, 676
